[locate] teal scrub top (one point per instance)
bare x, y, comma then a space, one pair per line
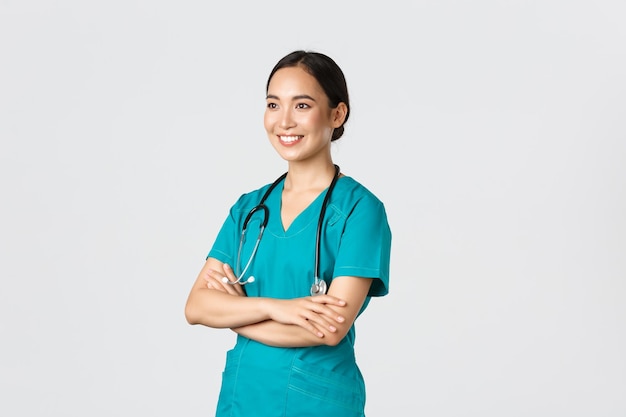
261, 380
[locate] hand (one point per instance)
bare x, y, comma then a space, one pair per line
310, 313
215, 281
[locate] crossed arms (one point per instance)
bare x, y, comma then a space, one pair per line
297, 322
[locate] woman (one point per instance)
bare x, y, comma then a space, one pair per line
294, 354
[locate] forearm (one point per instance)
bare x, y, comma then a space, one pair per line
275, 333
221, 310
215, 303
272, 333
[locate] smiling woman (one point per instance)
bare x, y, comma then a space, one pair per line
293, 294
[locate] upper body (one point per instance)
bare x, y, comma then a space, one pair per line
355, 242
274, 316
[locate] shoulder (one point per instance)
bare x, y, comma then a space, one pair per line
349, 194
251, 198
350, 189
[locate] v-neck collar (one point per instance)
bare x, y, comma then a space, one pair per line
306, 217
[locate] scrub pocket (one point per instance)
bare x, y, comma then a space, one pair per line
315, 391
229, 378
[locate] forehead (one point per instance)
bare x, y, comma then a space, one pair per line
294, 81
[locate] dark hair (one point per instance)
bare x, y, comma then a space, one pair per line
328, 75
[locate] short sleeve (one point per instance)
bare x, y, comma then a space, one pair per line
365, 247
223, 247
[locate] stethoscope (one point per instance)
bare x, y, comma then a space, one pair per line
319, 285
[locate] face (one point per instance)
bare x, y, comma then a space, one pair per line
298, 119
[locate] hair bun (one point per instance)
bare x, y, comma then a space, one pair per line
337, 133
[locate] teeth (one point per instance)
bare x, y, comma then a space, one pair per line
290, 138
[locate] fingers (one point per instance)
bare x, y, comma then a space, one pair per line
212, 282
322, 303
215, 280
317, 332
334, 300
312, 327
318, 325
328, 299
318, 318
230, 275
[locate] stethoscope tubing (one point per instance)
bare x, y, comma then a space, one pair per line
318, 238
318, 287
266, 215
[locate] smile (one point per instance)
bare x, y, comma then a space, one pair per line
290, 139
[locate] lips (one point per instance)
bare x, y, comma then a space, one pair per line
291, 139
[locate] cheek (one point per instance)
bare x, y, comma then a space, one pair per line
267, 121
314, 119
322, 125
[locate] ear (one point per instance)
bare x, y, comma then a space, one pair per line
339, 114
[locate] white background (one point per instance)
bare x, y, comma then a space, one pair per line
492, 130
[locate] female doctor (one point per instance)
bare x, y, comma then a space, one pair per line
296, 261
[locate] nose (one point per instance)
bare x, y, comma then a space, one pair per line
287, 120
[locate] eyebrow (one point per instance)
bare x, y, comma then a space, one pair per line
298, 97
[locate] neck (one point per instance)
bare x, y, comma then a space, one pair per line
301, 178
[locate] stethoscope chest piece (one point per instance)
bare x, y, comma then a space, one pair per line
318, 287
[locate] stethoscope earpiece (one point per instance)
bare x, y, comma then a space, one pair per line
248, 281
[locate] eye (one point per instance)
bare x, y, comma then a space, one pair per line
302, 106
272, 106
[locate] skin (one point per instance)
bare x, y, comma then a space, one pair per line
299, 125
